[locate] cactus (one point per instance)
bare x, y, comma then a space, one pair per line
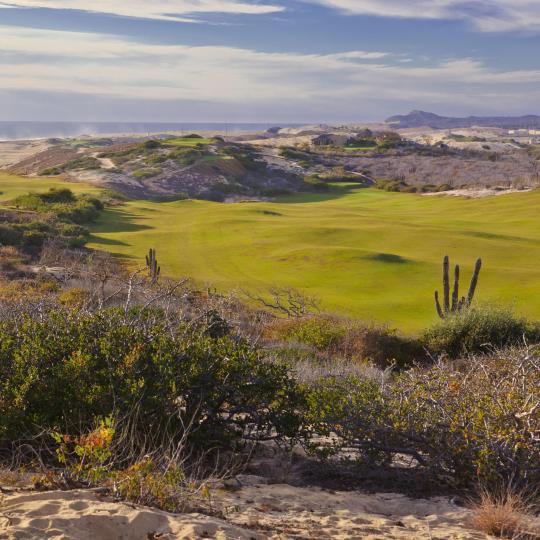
457, 304
152, 265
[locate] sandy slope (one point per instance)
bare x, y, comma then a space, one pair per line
12, 152
253, 512
80, 515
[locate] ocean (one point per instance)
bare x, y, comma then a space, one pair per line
45, 130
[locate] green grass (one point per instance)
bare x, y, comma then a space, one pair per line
364, 252
217, 157
187, 142
12, 186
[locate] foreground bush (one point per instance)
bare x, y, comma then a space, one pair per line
62, 369
479, 329
464, 422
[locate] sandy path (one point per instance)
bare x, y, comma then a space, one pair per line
254, 512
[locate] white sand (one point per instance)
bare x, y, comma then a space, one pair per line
253, 512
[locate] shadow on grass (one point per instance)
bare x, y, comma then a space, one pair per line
119, 221
388, 258
93, 239
333, 193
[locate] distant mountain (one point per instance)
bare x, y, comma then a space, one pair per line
421, 118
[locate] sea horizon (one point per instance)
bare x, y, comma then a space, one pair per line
26, 130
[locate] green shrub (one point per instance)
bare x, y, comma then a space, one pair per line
61, 195
33, 238
478, 329
151, 144
9, 235
68, 368
70, 229
63, 204
83, 163
146, 173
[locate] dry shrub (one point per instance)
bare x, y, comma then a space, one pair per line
504, 514
461, 422
337, 337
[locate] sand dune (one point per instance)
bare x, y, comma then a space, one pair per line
84, 515
256, 511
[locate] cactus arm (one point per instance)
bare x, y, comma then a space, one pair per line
474, 281
438, 305
455, 292
446, 284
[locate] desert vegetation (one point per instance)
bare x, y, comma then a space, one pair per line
151, 389
128, 376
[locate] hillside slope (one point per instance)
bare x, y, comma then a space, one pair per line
422, 118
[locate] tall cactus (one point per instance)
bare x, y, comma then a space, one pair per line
457, 304
153, 268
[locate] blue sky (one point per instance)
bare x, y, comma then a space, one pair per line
266, 61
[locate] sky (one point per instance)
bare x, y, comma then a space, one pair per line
275, 61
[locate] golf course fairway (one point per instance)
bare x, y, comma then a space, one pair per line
365, 253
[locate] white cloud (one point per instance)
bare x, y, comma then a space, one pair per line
101, 65
175, 10
485, 15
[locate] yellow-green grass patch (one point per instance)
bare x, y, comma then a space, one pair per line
12, 186
363, 252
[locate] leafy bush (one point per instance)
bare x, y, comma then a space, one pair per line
478, 329
161, 480
9, 235
61, 195
68, 368
63, 205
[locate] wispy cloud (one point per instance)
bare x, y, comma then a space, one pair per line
485, 15
342, 83
175, 10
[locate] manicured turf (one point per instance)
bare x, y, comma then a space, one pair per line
367, 253
363, 252
190, 142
